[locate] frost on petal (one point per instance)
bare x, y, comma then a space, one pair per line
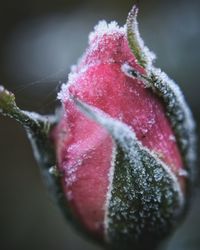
107, 45
103, 28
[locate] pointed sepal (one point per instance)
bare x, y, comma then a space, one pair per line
145, 199
136, 44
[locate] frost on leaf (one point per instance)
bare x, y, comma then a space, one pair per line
179, 115
145, 198
144, 56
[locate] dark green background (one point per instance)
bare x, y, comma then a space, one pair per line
39, 40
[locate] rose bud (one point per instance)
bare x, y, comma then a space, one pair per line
122, 166
125, 141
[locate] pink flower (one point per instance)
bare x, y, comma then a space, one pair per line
124, 141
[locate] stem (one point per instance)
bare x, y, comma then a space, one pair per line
38, 129
29, 120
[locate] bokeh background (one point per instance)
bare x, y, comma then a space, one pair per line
39, 41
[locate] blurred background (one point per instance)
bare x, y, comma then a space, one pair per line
39, 41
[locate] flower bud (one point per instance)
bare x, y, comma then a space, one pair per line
125, 141
120, 158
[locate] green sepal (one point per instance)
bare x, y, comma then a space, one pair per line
145, 205
136, 44
181, 119
145, 200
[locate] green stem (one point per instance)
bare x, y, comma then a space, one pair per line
38, 129
28, 120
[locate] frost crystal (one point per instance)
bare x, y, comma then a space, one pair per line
143, 54
109, 192
103, 28
95, 38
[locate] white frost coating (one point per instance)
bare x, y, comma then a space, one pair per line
182, 173
180, 98
95, 37
108, 195
172, 138
71, 171
127, 139
72, 167
130, 72
127, 70
103, 28
34, 116
149, 55
64, 95
189, 124
40, 118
